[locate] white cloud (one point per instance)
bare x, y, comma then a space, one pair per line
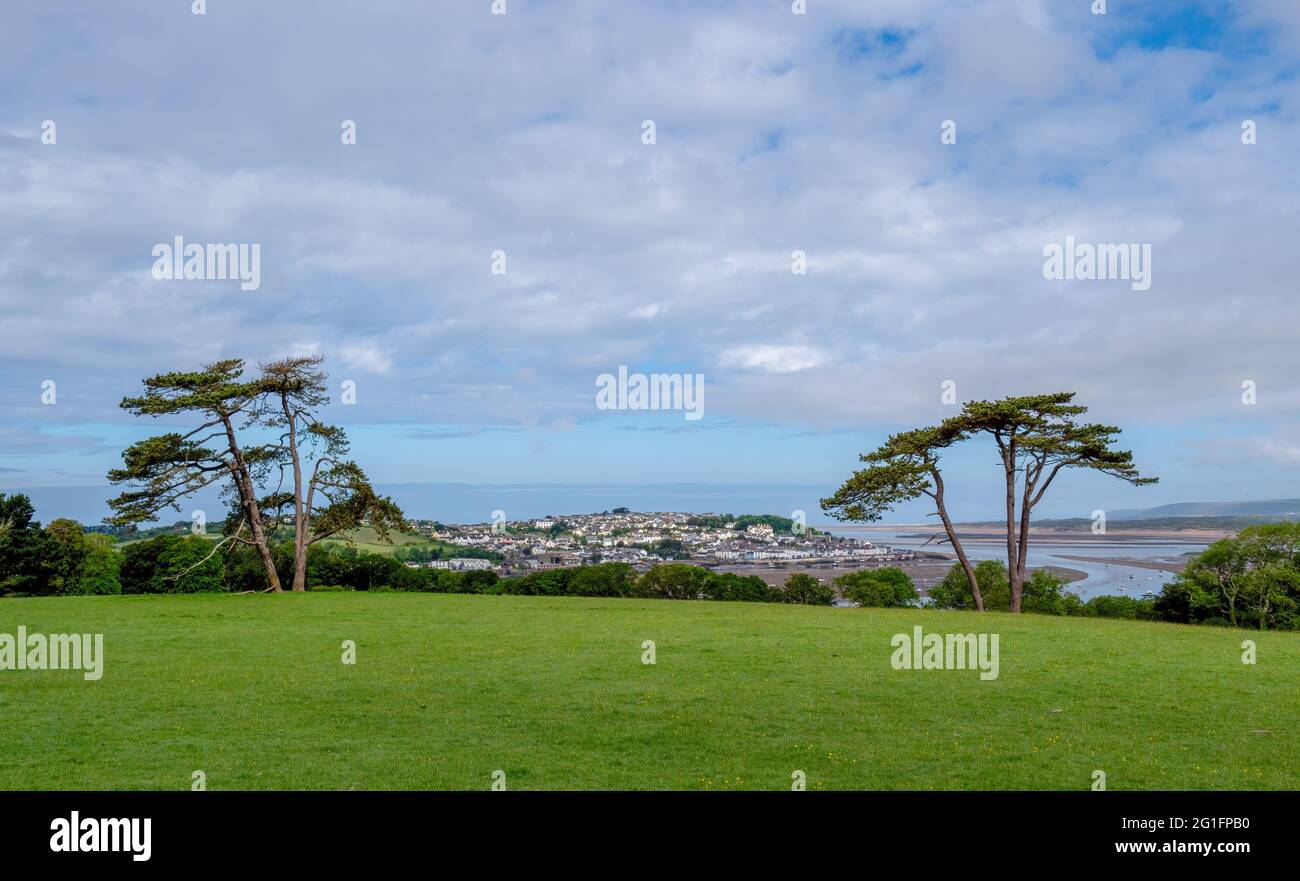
649, 310
366, 356
772, 359
924, 260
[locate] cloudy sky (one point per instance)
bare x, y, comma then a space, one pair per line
773, 133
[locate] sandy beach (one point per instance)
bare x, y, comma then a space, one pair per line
1129, 561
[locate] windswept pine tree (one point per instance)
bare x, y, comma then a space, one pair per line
330, 493
1037, 437
164, 469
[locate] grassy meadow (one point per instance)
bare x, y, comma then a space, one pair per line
363, 539
446, 689
367, 540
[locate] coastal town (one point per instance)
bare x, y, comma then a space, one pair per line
750, 542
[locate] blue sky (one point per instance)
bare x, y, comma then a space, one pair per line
774, 133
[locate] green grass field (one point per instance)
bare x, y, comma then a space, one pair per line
447, 689
363, 539
366, 539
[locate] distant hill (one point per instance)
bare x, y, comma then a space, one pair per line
1228, 516
1273, 509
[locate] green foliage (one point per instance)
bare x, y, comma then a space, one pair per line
1045, 594
24, 562
668, 548
1036, 436
414, 580
710, 521
160, 471
674, 581
953, 591
1252, 580
171, 564
887, 588
740, 588
190, 566
65, 555
478, 581
903, 468
807, 590
603, 580
1040, 435
547, 582
99, 570
370, 571
242, 569
441, 550
80, 563
780, 525
1127, 608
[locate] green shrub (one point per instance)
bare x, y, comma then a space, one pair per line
674, 581
171, 564
730, 586
1105, 606
603, 580
808, 590
888, 588
100, 569
546, 583
953, 590
1044, 593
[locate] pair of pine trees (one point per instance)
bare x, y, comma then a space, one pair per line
261, 441
1035, 436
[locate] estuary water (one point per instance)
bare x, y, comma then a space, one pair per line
1112, 576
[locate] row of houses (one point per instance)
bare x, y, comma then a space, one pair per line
456, 564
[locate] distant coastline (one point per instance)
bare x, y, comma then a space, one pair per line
982, 532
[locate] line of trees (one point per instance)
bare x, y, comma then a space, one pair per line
1035, 437
56, 559
1252, 580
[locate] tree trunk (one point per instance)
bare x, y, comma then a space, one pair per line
1022, 551
299, 521
248, 496
956, 544
1013, 562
